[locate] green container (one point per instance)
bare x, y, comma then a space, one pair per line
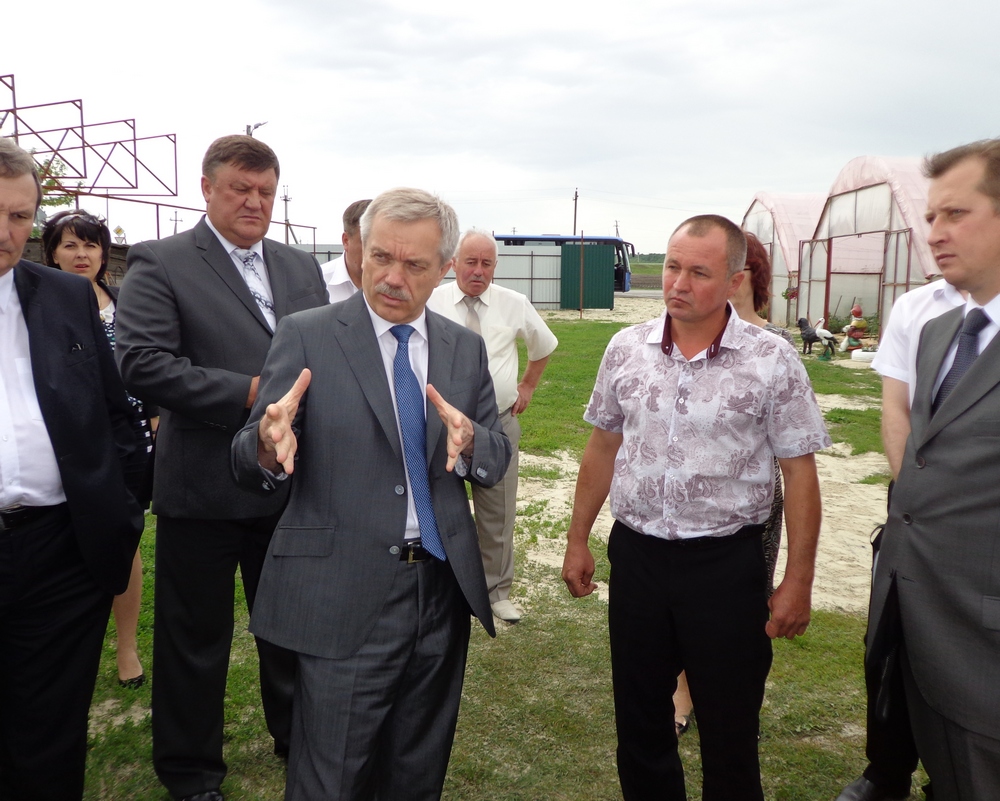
598, 277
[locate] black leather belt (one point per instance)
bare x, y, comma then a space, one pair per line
414, 552
755, 530
14, 516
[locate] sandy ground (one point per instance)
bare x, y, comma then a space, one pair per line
850, 510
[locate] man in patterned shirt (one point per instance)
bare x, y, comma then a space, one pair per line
689, 411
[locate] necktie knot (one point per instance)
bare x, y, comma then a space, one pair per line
246, 256
472, 321
975, 321
402, 333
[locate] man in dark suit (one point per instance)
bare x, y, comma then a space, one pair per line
196, 315
939, 564
375, 565
69, 524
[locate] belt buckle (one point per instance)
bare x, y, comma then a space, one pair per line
411, 553
10, 510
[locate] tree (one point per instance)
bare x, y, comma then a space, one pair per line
53, 193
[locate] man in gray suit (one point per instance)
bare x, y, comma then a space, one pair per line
196, 314
936, 594
375, 564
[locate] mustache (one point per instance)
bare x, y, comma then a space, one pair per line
393, 292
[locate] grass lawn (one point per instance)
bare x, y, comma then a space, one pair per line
537, 721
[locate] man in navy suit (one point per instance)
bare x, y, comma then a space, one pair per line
69, 524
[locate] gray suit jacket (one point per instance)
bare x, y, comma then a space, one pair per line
942, 541
189, 339
329, 565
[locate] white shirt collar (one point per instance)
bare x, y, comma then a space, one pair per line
257, 247
945, 291
6, 288
460, 296
382, 326
992, 309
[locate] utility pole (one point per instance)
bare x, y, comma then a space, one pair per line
616, 230
576, 196
288, 226
175, 219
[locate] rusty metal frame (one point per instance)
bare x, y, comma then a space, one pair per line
97, 164
78, 144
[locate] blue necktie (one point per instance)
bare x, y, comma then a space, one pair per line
968, 349
413, 423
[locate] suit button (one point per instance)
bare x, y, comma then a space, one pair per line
921, 461
394, 550
907, 519
400, 489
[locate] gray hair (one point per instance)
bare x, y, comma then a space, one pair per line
486, 235
15, 161
412, 205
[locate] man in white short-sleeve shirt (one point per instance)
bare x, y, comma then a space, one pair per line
501, 316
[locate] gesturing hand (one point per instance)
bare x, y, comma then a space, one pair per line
276, 443
460, 432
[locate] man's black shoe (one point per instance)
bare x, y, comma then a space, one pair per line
210, 795
864, 790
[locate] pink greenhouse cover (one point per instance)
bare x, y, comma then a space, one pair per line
795, 217
908, 187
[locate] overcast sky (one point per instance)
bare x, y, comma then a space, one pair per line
654, 110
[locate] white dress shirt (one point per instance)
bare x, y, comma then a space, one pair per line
897, 352
261, 265
418, 350
504, 317
338, 280
29, 472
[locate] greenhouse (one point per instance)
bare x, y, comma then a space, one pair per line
870, 244
780, 222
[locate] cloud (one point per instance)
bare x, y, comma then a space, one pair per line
653, 109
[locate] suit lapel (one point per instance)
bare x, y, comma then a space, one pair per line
361, 349
935, 339
983, 376
26, 284
440, 358
277, 275
222, 263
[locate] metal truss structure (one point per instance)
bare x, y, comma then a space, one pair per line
106, 160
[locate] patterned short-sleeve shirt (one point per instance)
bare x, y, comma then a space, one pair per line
699, 436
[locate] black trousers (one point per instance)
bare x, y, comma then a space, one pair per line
196, 563
53, 617
699, 606
891, 751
